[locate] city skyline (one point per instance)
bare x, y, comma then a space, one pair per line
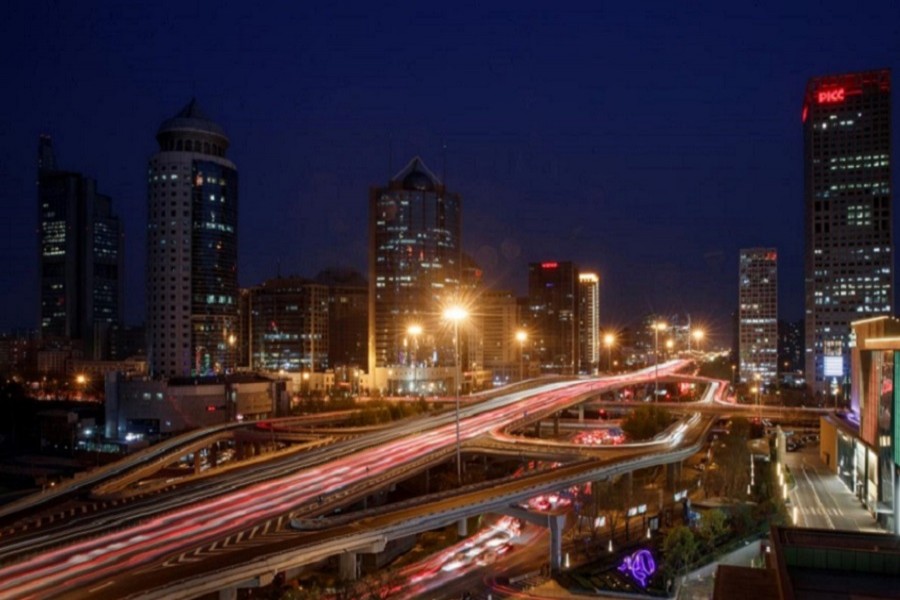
609, 167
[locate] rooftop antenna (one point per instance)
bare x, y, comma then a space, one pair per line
444, 168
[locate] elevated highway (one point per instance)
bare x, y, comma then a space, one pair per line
232, 512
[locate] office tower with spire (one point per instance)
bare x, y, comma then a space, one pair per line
849, 245
414, 267
79, 258
192, 291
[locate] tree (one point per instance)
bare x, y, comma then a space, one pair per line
713, 525
679, 550
645, 422
732, 456
610, 500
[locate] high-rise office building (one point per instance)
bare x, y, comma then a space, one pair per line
498, 311
414, 267
288, 325
79, 257
849, 246
589, 322
758, 315
192, 293
348, 309
553, 306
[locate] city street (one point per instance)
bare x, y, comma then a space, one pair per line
820, 498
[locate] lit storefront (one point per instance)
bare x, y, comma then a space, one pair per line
866, 442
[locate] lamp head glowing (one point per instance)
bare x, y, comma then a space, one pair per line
609, 339
698, 334
456, 313
414, 330
521, 336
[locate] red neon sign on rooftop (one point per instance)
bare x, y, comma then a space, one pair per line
831, 96
549, 265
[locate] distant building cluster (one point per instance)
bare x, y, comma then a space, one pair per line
422, 316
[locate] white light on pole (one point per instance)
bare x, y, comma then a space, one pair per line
609, 340
415, 331
657, 327
455, 314
521, 337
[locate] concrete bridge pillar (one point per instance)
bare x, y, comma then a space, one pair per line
197, 462
556, 425
537, 428
673, 475
557, 526
213, 455
462, 528
229, 593
348, 568
580, 412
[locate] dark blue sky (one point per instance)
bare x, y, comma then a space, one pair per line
648, 143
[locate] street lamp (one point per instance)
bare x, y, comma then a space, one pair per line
455, 314
415, 331
757, 377
521, 337
608, 340
698, 335
657, 327
231, 341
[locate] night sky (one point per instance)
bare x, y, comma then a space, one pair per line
648, 144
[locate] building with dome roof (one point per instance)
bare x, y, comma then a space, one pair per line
192, 292
414, 267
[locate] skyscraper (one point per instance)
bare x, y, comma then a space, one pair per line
192, 293
79, 257
849, 246
758, 315
553, 306
289, 325
348, 308
589, 322
414, 265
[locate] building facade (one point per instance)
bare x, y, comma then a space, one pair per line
849, 245
553, 305
414, 271
758, 315
499, 322
589, 322
348, 310
79, 257
192, 293
288, 327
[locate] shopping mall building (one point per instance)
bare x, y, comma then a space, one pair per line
862, 445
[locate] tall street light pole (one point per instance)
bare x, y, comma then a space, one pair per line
521, 336
657, 326
757, 377
456, 314
608, 341
415, 331
698, 335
